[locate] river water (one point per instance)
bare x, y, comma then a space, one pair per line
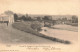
61, 34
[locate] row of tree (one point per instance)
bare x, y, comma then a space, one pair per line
26, 17
74, 19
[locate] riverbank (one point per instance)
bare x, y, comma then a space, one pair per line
24, 26
61, 34
65, 27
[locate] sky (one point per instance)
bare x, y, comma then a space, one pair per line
52, 7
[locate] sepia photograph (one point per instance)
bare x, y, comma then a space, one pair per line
38, 29
54, 24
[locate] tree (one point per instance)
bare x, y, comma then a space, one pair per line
74, 19
47, 18
15, 17
64, 19
36, 26
38, 18
29, 18
9, 12
26, 15
23, 18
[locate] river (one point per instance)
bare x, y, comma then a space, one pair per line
61, 34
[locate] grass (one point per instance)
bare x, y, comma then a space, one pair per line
26, 27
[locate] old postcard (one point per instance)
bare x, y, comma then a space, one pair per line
39, 25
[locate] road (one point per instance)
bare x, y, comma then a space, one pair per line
11, 35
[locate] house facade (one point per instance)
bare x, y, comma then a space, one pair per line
7, 18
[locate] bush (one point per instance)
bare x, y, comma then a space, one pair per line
36, 27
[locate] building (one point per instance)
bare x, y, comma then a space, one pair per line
7, 18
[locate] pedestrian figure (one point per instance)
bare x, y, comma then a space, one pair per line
7, 23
